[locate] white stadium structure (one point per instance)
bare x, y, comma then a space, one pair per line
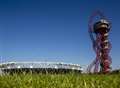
39, 67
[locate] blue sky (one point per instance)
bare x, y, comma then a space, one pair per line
54, 30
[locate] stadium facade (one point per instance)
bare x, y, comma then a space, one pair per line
39, 67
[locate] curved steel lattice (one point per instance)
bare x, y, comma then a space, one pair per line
100, 42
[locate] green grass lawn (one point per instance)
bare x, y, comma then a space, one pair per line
60, 81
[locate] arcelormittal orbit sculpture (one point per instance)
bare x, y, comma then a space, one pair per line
99, 32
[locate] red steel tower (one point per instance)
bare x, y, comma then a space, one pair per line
99, 31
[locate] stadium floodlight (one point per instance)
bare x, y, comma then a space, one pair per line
8, 67
31, 66
73, 68
56, 67
18, 67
